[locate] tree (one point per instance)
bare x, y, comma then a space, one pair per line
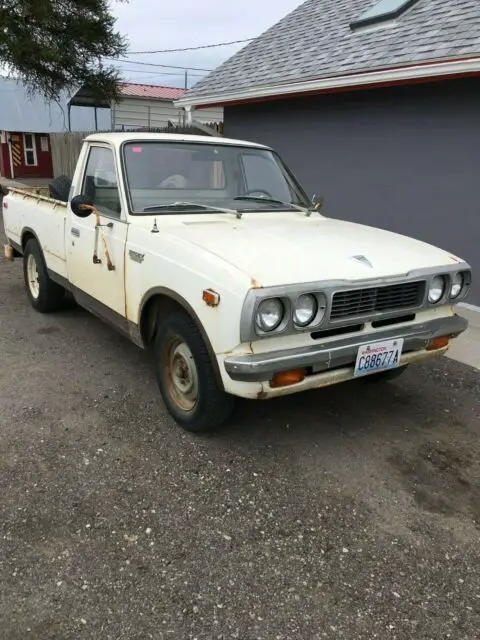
60, 45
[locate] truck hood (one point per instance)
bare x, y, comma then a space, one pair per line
292, 248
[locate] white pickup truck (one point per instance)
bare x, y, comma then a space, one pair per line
209, 251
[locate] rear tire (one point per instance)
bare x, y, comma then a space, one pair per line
186, 377
45, 295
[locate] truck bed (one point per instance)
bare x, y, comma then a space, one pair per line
25, 213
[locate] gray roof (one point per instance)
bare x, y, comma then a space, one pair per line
23, 113
315, 40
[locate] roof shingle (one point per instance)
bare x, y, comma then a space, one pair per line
315, 41
150, 91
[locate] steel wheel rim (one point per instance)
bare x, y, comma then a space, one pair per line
182, 375
32, 276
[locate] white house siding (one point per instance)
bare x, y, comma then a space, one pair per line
142, 112
206, 116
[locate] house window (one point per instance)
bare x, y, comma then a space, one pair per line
382, 11
30, 149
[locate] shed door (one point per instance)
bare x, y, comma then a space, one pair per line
16, 146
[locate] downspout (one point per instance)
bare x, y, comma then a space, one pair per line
12, 172
112, 116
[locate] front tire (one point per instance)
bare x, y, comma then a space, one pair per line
45, 295
186, 377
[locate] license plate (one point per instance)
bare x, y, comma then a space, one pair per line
378, 356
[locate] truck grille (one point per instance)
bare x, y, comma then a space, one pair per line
364, 302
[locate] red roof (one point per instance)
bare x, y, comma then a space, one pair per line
151, 91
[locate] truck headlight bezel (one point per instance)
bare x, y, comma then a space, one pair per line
324, 291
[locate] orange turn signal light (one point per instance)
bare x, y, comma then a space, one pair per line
286, 378
438, 343
211, 297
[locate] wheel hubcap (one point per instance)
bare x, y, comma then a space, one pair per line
32, 276
183, 376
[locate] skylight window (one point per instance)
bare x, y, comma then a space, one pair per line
382, 12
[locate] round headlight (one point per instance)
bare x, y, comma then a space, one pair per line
305, 310
437, 289
457, 285
269, 314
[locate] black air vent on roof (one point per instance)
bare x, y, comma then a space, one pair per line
381, 12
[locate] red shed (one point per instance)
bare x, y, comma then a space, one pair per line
25, 155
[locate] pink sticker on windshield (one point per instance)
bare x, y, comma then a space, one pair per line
137, 149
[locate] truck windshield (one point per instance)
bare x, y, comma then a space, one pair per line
161, 175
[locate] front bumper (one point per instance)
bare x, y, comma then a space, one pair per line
342, 352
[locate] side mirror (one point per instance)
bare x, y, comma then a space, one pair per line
317, 202
77, 205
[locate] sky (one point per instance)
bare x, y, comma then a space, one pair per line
156, 24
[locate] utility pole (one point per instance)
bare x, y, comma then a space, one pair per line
186, 79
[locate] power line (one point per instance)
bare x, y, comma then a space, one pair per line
155, 64
164, 73
203, 46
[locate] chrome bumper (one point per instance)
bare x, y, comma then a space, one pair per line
338, 353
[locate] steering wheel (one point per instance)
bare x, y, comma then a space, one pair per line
253, 192
175, 181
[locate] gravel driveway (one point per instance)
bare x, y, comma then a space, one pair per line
351, 512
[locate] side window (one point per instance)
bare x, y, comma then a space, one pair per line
262, 174
100, 181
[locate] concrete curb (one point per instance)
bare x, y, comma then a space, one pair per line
471, 313
466, 348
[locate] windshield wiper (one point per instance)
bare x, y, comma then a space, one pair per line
187, 205
272, 201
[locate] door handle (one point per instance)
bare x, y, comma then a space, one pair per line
75, 232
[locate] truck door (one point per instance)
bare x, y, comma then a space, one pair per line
95, 286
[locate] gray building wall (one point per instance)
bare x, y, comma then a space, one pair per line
405, 159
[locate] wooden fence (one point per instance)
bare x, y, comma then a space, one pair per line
65, 149
66, 146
